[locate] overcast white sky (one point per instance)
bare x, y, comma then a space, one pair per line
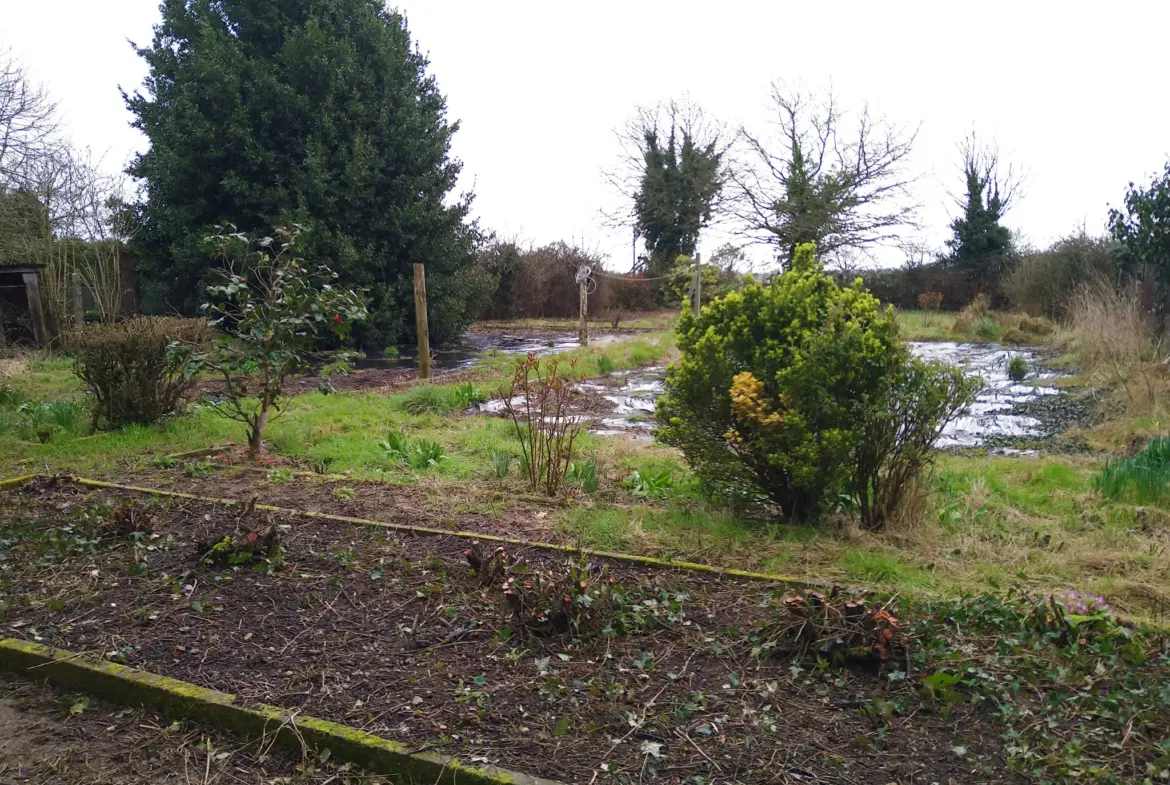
1074, 92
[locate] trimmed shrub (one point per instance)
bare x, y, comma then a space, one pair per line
800, 391
773, 381
138, 370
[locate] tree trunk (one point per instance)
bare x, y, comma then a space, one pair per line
256, 433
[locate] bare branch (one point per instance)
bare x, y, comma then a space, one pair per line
28, 118
824, 176
669, 121
1003, 184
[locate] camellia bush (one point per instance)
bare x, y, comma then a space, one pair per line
778, 386
275, 308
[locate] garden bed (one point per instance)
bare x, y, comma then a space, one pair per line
394, 634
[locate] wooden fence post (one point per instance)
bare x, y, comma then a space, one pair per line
697, 288
420, 322
36, 308
76, 308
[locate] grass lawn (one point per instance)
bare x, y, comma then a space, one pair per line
642, 321
926, 325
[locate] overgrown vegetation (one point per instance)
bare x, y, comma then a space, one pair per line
1143, 477
1044, 283
978, 320
538, 402
430, 398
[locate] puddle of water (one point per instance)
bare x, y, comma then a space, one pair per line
990, 415
464, 352
635, 394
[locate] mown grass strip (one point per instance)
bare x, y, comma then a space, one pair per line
133, 687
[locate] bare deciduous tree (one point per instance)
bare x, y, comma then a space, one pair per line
999, 182
827, 176
28, 118
70, 215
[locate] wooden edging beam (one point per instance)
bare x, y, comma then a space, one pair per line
128, 686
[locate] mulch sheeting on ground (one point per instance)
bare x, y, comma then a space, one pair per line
50, 736
394, 634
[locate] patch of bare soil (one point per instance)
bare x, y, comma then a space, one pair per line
363, 380
506, 511
396, 635
501, 508
49, 737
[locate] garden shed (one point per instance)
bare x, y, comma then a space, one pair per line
22, 305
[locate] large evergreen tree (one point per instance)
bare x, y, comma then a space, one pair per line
980, 244
319, 112
1142, 226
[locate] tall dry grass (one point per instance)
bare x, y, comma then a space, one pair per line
1113, 340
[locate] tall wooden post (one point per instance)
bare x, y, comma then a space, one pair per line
697, 287
36, 308
76, 308
583, 328
420, 322
1149, 296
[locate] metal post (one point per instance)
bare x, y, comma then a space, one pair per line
420, 322
583, 329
